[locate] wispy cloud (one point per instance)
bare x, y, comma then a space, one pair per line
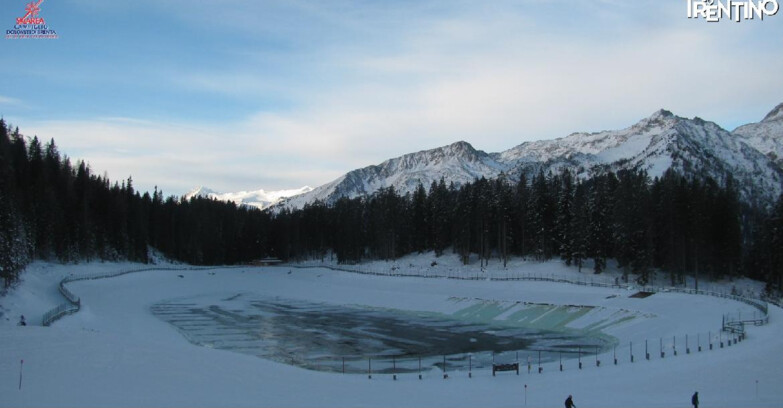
177, 157
6, 100
323, 88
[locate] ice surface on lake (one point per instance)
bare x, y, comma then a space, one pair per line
357, 338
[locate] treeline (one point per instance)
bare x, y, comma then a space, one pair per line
671, 224
53, 209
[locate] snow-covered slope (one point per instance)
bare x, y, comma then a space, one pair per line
765, 136
642, 145
693, 147
259, 198
458, 163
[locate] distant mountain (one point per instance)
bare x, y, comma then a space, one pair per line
259, 198
765, 136
458, 162
693, 147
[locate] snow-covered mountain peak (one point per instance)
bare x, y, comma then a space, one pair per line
456, 151
661, 114
775, 114
200, 191
260, 199
660, 119
461, 147
458, 162
765, 136
605, 146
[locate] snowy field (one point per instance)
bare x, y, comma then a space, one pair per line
116, 352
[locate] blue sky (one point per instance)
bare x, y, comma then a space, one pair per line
245, 95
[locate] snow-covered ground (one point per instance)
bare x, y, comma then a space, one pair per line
116, 353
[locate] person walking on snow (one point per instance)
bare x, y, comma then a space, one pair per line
569, 403
695, 399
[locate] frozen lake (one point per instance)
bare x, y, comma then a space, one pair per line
357, 338
125, 355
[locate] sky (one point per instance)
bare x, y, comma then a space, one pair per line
246, 95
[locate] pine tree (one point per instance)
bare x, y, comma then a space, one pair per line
580, 226
503, 217
14, 245
521, 218
419, 219
440, 209
463, 216
564, 221
599, 228
774, 237
631, 224
542, 220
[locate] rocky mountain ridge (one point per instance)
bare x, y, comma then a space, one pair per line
752, 155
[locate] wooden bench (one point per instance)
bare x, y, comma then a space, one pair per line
505, 367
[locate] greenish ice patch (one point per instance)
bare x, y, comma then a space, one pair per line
483, 312
546, 317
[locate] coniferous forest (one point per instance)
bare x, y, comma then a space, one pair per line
53, 209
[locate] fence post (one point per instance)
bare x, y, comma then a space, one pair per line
369, 367
561, 361
420, 367
674, 345
646, 350
597, 361
580, 358
540, 369
445, 376
663, 353
394, 368
632, 352
470, 366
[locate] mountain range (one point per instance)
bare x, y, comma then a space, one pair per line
259, 198
752, 154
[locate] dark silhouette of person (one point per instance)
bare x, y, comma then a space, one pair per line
695, 399
22, 322
569, 403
